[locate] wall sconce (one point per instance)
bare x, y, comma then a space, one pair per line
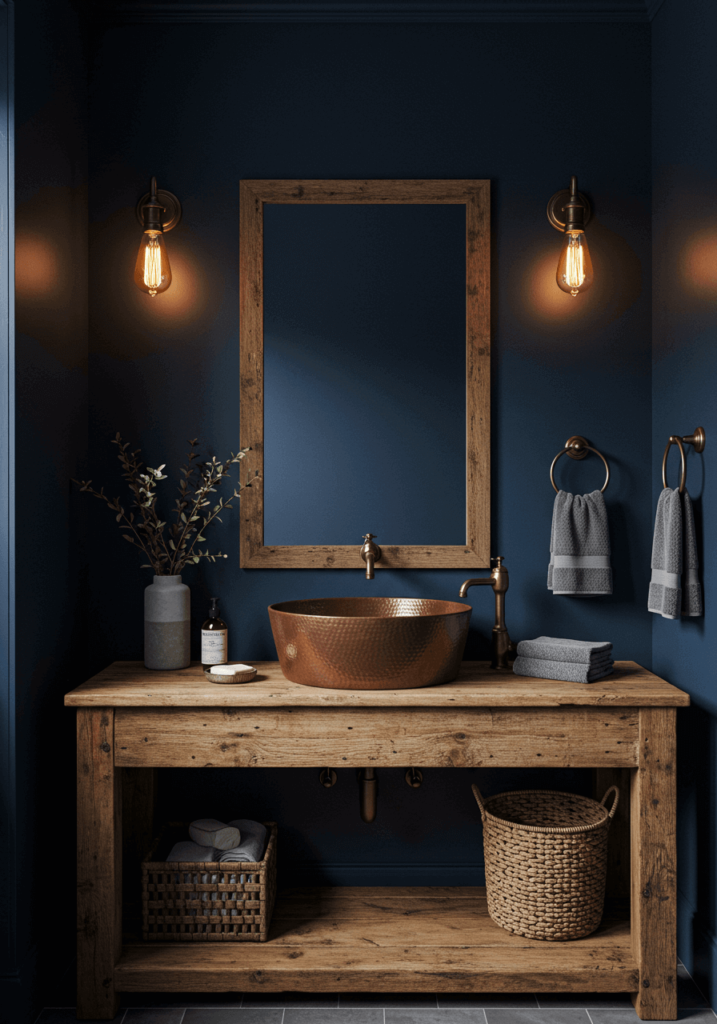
575, 268
152, 272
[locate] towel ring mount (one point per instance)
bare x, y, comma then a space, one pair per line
697, 440
577, 448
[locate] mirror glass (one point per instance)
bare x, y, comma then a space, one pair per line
364, 374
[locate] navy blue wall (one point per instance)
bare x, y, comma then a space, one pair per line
222, 103
684, 376
51, 426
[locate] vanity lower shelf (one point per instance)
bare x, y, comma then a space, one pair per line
393, 939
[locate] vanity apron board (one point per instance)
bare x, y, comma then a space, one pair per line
131, 721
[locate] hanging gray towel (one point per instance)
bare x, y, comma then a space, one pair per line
674, 587
580, 545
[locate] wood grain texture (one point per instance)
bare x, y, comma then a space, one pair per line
338, 940
475, 196
130, 684
99, 865
384, 737
653, 823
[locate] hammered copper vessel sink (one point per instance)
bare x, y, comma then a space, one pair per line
370, 643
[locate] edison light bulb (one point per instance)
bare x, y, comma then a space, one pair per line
575, 268
152, 272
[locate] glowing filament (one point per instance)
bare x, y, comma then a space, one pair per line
152, 265
575, 269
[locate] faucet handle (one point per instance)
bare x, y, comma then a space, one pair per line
369, 536
498, 560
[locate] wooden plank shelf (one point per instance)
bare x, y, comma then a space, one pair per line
393, 939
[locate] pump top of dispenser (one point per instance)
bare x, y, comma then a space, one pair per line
213, 607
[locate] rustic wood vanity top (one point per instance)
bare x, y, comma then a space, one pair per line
130, 684
131, 721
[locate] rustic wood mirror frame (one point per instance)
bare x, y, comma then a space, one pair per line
475, 196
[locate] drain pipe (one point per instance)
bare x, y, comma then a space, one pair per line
368, 793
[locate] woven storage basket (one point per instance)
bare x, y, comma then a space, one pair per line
545, 861
188, 902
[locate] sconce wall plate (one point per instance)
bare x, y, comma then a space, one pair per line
558, 201
172, 209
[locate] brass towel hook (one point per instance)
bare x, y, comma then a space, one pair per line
577, 448
697, 440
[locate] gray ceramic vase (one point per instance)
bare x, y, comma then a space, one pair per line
167, 624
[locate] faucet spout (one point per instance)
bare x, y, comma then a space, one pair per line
502, 647
371, 553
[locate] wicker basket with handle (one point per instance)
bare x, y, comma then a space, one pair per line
213, 902
546, 861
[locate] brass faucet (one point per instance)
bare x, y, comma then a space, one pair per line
371, 553
502, 647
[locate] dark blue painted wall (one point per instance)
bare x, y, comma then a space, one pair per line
51, 432
684, 376
216, 104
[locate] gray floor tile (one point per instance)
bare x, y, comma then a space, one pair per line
217, 1015
456, 1015
349, 1016
153, 1015
448, 1000
567, 1015
149, 1000
696, 1015
67, 1015
292, 1000
381, 999
616, 1000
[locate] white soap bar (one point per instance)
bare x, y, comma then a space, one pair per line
228, 670
210, 832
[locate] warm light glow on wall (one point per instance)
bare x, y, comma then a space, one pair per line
698, 263
37, 266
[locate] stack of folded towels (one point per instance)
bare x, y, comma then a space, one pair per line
575, 661
214, 842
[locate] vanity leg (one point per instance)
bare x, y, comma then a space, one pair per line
99, 865
653, 861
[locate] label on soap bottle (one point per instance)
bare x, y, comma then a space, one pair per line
214, 646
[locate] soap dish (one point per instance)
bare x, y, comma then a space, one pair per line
242, 674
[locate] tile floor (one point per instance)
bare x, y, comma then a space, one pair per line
300, 1008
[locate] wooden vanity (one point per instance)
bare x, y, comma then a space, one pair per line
131, 721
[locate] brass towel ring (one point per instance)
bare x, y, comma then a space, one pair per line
577, 448
697, 440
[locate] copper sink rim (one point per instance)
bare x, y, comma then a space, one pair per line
460, 609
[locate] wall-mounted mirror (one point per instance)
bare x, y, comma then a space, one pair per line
365, 372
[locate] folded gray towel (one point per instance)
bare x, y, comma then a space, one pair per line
563, 670
580, 545
191, 853
553, 648
253, 842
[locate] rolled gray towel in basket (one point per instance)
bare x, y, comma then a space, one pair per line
580, 545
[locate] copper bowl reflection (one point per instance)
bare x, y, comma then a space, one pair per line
370, 643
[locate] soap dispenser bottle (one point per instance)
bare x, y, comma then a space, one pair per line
215, 637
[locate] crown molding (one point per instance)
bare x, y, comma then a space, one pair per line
416, 11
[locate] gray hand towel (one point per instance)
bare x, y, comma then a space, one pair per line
553, 648
580, 545
691, 589
674, 586
253, 842
563, 670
